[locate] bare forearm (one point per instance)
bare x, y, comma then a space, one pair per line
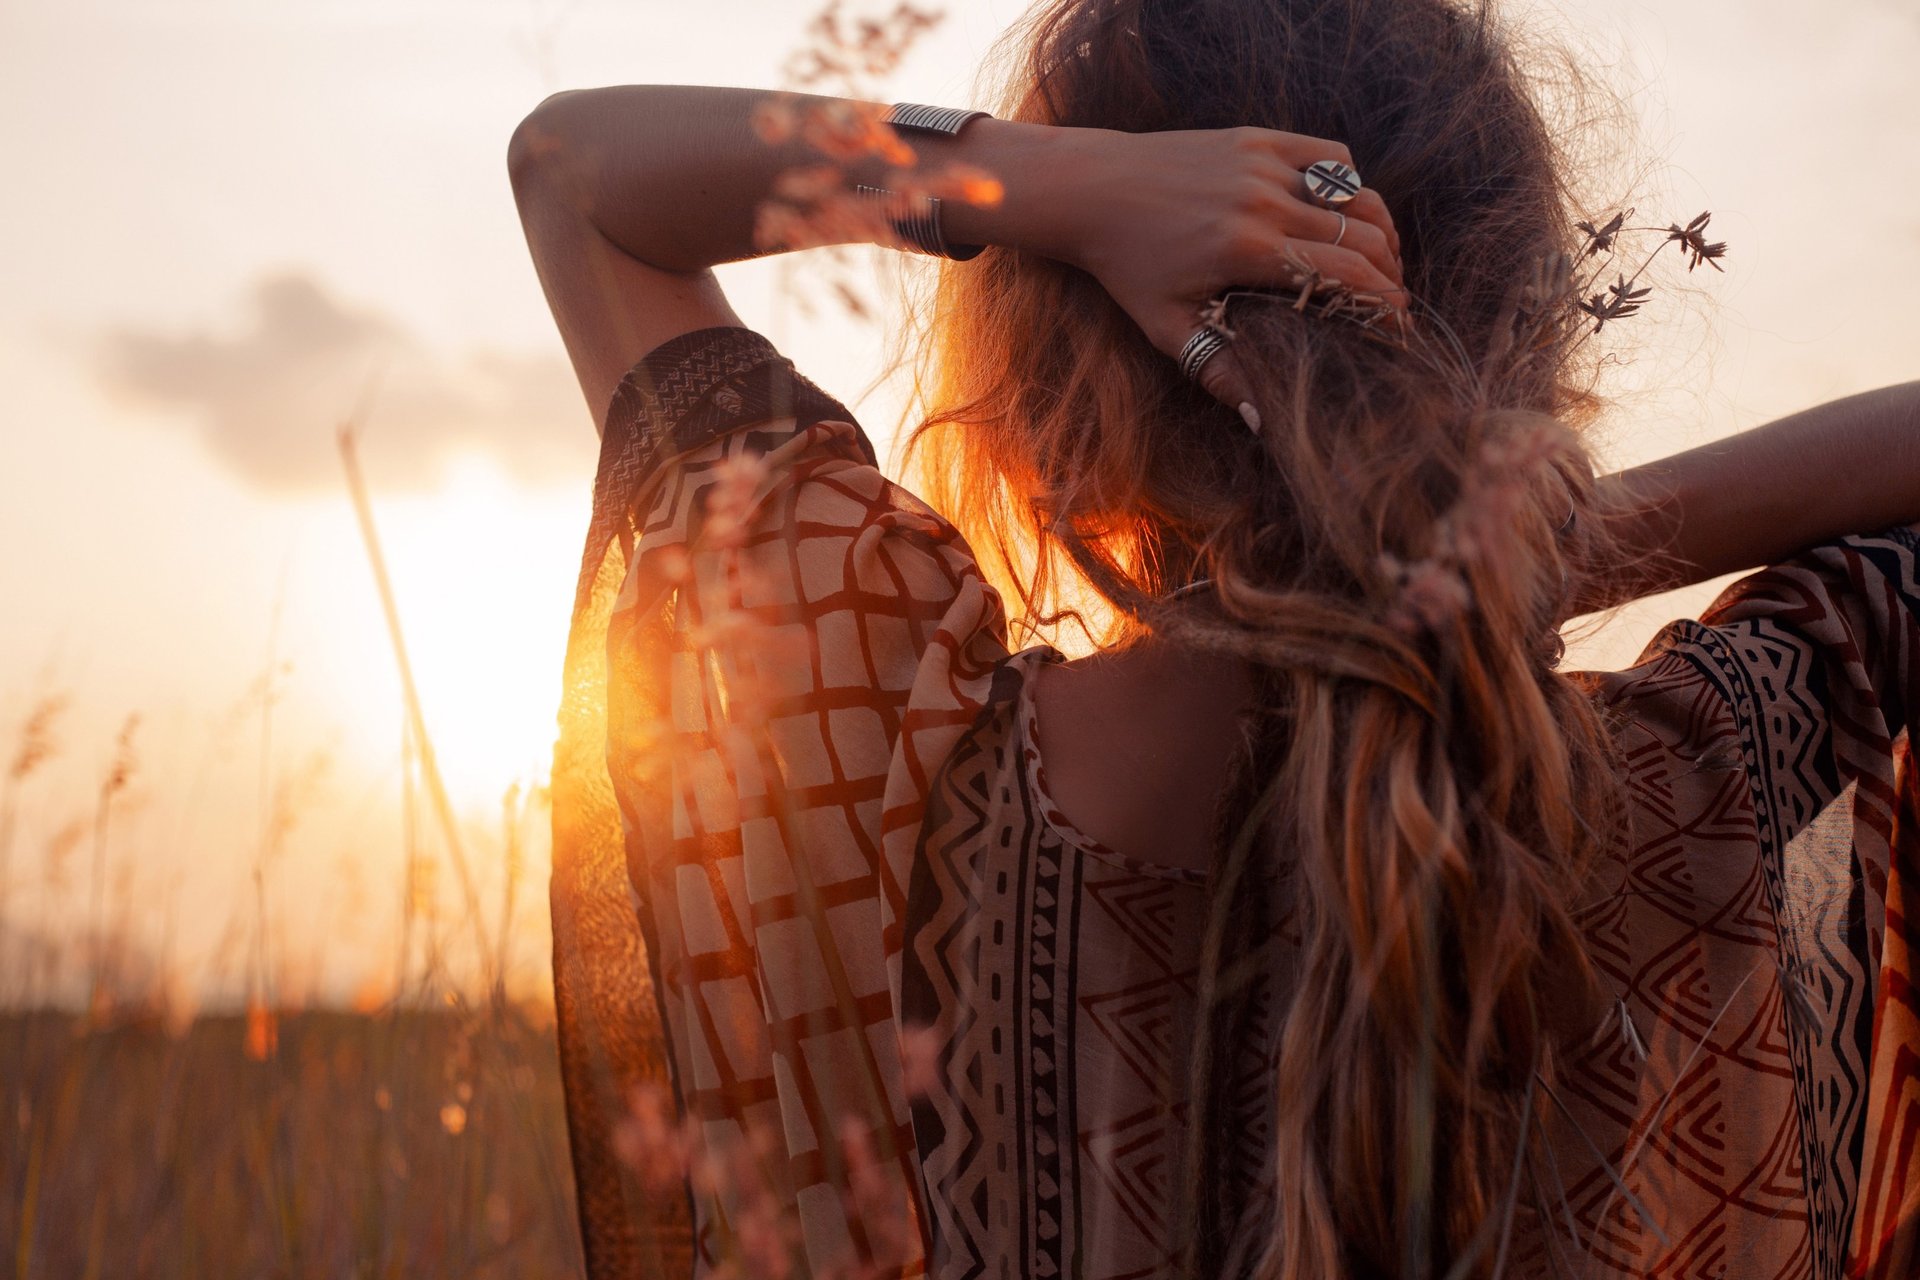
674, 174
1848, 466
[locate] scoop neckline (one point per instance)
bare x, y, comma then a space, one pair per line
1027, 715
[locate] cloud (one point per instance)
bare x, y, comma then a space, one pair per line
265, 398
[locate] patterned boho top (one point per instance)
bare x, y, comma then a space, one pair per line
808, 878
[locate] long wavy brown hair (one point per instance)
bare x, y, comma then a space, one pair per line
1421, 794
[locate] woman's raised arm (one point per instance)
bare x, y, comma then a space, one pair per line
1847, 466
630, 193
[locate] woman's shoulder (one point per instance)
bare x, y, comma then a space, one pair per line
703, 385
1822, 602
1801, 673
711, 398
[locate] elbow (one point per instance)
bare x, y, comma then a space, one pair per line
531, 150
537, 146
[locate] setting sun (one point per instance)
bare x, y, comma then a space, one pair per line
483, 575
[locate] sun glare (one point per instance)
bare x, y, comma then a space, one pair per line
483, 573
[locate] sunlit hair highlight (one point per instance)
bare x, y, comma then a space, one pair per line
1421, 794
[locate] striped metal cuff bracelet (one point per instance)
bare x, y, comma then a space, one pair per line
916, 115
921, 227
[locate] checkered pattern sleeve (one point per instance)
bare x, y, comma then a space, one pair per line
792, 643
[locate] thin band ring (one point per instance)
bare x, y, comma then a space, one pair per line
1206, 343
1343, 228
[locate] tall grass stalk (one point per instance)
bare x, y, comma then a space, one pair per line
422, 740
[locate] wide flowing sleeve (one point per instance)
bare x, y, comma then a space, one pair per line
1824, 652
773, 649
1764, 1078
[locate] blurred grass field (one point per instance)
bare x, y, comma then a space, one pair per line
397, 1143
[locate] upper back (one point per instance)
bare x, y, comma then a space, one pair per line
1138, 743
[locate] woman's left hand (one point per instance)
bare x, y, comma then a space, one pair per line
1167, 221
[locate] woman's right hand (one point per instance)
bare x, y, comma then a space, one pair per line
1166, 221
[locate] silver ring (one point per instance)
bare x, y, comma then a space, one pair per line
1206, 343
1343, 228
1331, 184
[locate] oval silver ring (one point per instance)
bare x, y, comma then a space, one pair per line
1331, 184
1206, 343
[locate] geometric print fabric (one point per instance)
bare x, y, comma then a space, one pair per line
816, 831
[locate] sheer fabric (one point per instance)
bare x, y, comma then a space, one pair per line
809, 878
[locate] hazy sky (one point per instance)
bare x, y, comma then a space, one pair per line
224, 219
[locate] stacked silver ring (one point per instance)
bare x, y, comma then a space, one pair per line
1203, 346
